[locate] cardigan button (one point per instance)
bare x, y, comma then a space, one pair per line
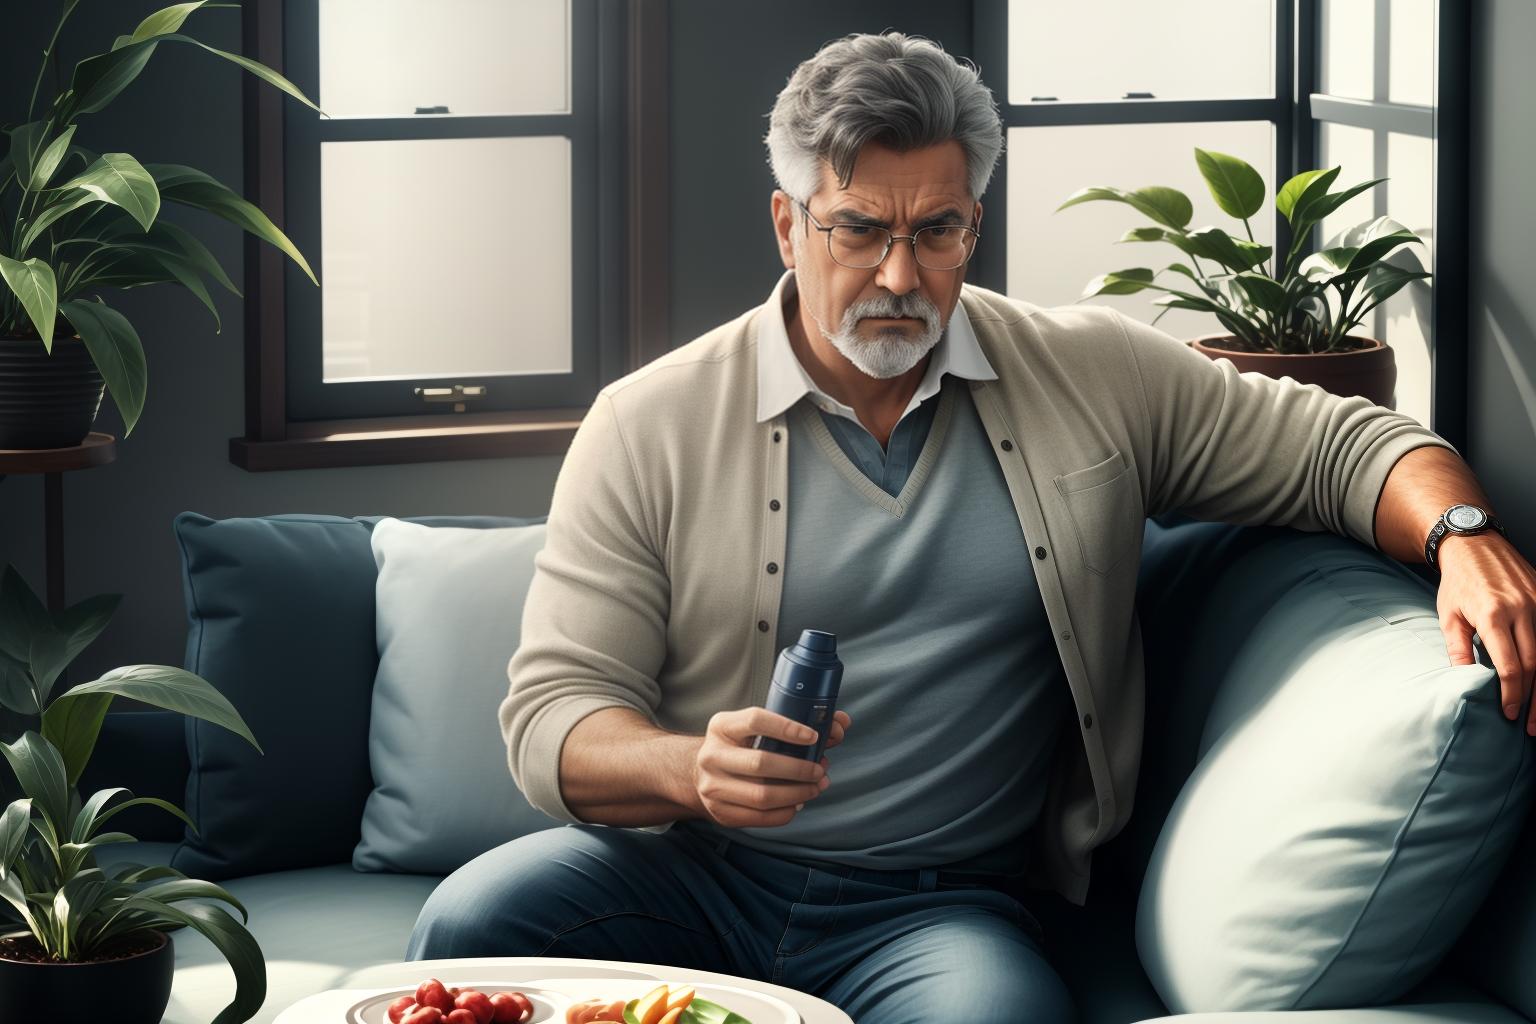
1007, 445
762, 625
776, 436
1087, 721
773, 567
1039, 552
774, 504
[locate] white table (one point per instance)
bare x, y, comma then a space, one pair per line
330, 1007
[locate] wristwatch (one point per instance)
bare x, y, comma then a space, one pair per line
1466, 519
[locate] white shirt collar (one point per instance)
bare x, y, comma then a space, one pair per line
782, 381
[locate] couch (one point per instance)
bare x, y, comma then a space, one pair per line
317, 924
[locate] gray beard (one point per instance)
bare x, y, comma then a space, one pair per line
892, 352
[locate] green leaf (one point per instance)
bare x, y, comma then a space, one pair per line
237, 945
72, 726
141, 872
702, 1011
97, 80
152, 801
167, 19
28, 141
21, 615
73, 855
190, 187
82, 622
169, 688
1291, 192
193, 889
74, 903
1143, 234
40, 770
85, 821
15, 824
53, 211
12, 892
1234, 253
171, 238
119, 179
1237, 188
1312, 210
1119, 282
1167, 206
1384, 280
1375, 239
1328, 265
16, 690
115, 349
1263, 292
34, 285
50, 160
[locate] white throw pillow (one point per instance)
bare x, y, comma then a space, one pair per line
1355, 797
450, 609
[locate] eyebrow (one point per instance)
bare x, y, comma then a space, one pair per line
950, 215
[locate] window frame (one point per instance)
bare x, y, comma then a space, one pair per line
631, 185
1296, 109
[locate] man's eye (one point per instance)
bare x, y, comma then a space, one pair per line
940, 231
855, 230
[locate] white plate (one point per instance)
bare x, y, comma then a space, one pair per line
757, 1007
548, 1004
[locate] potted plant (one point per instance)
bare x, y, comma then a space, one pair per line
1287, 318
92, 945
73, 222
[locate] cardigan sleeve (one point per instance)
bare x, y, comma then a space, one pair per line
594, 624
1248, 448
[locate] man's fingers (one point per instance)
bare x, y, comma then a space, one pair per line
763, 764
1501, 646
1458, 639
762, 796
741, 726
1525, 640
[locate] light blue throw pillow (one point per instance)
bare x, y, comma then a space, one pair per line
1354, 798
449, 607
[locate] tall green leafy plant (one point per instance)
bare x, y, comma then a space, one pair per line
73, 221
49, 877
1293, 305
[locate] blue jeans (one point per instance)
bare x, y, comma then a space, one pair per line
887, 947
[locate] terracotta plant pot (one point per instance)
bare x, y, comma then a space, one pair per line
47, 400
1370, 371
131, 989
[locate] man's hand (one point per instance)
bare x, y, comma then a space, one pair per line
744, 788
1488, 588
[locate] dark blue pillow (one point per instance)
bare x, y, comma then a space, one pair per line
281, 620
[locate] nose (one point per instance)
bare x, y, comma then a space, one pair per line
898, 274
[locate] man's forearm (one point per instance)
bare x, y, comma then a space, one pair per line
1422, 485
617, 768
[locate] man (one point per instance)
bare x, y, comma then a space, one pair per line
953, 482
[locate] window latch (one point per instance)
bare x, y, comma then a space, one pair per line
458, 394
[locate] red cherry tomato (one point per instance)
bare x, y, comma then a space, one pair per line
477, 1003
432, 993
400, 1008
460, 1017
524, 1002
424, 1015
506, 1009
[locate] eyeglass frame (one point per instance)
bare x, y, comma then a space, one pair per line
891, 239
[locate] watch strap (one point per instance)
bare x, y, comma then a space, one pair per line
1437, 533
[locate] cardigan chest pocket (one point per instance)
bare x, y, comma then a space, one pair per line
1105, 512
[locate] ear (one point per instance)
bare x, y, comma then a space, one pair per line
977, 222
783, 210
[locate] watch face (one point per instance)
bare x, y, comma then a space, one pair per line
1466, 517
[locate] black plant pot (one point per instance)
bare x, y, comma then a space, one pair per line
133, 990
47, 400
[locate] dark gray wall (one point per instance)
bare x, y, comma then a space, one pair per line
1501, 401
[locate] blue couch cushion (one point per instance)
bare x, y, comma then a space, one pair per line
281, 619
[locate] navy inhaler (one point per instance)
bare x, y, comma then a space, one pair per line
805, 682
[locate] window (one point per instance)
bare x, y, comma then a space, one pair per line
465, 202
1287, 85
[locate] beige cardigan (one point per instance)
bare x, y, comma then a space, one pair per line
652, 591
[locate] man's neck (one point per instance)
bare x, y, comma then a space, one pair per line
878, 402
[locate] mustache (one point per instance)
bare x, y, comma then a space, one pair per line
910, 304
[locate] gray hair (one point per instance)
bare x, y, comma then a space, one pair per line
898, 90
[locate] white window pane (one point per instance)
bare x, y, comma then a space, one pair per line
1094, 50
1413, 52
385, 58
1404, 321
428, 273
1347, 63
1053, 256
1350, 31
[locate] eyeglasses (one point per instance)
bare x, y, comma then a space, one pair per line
865, 246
